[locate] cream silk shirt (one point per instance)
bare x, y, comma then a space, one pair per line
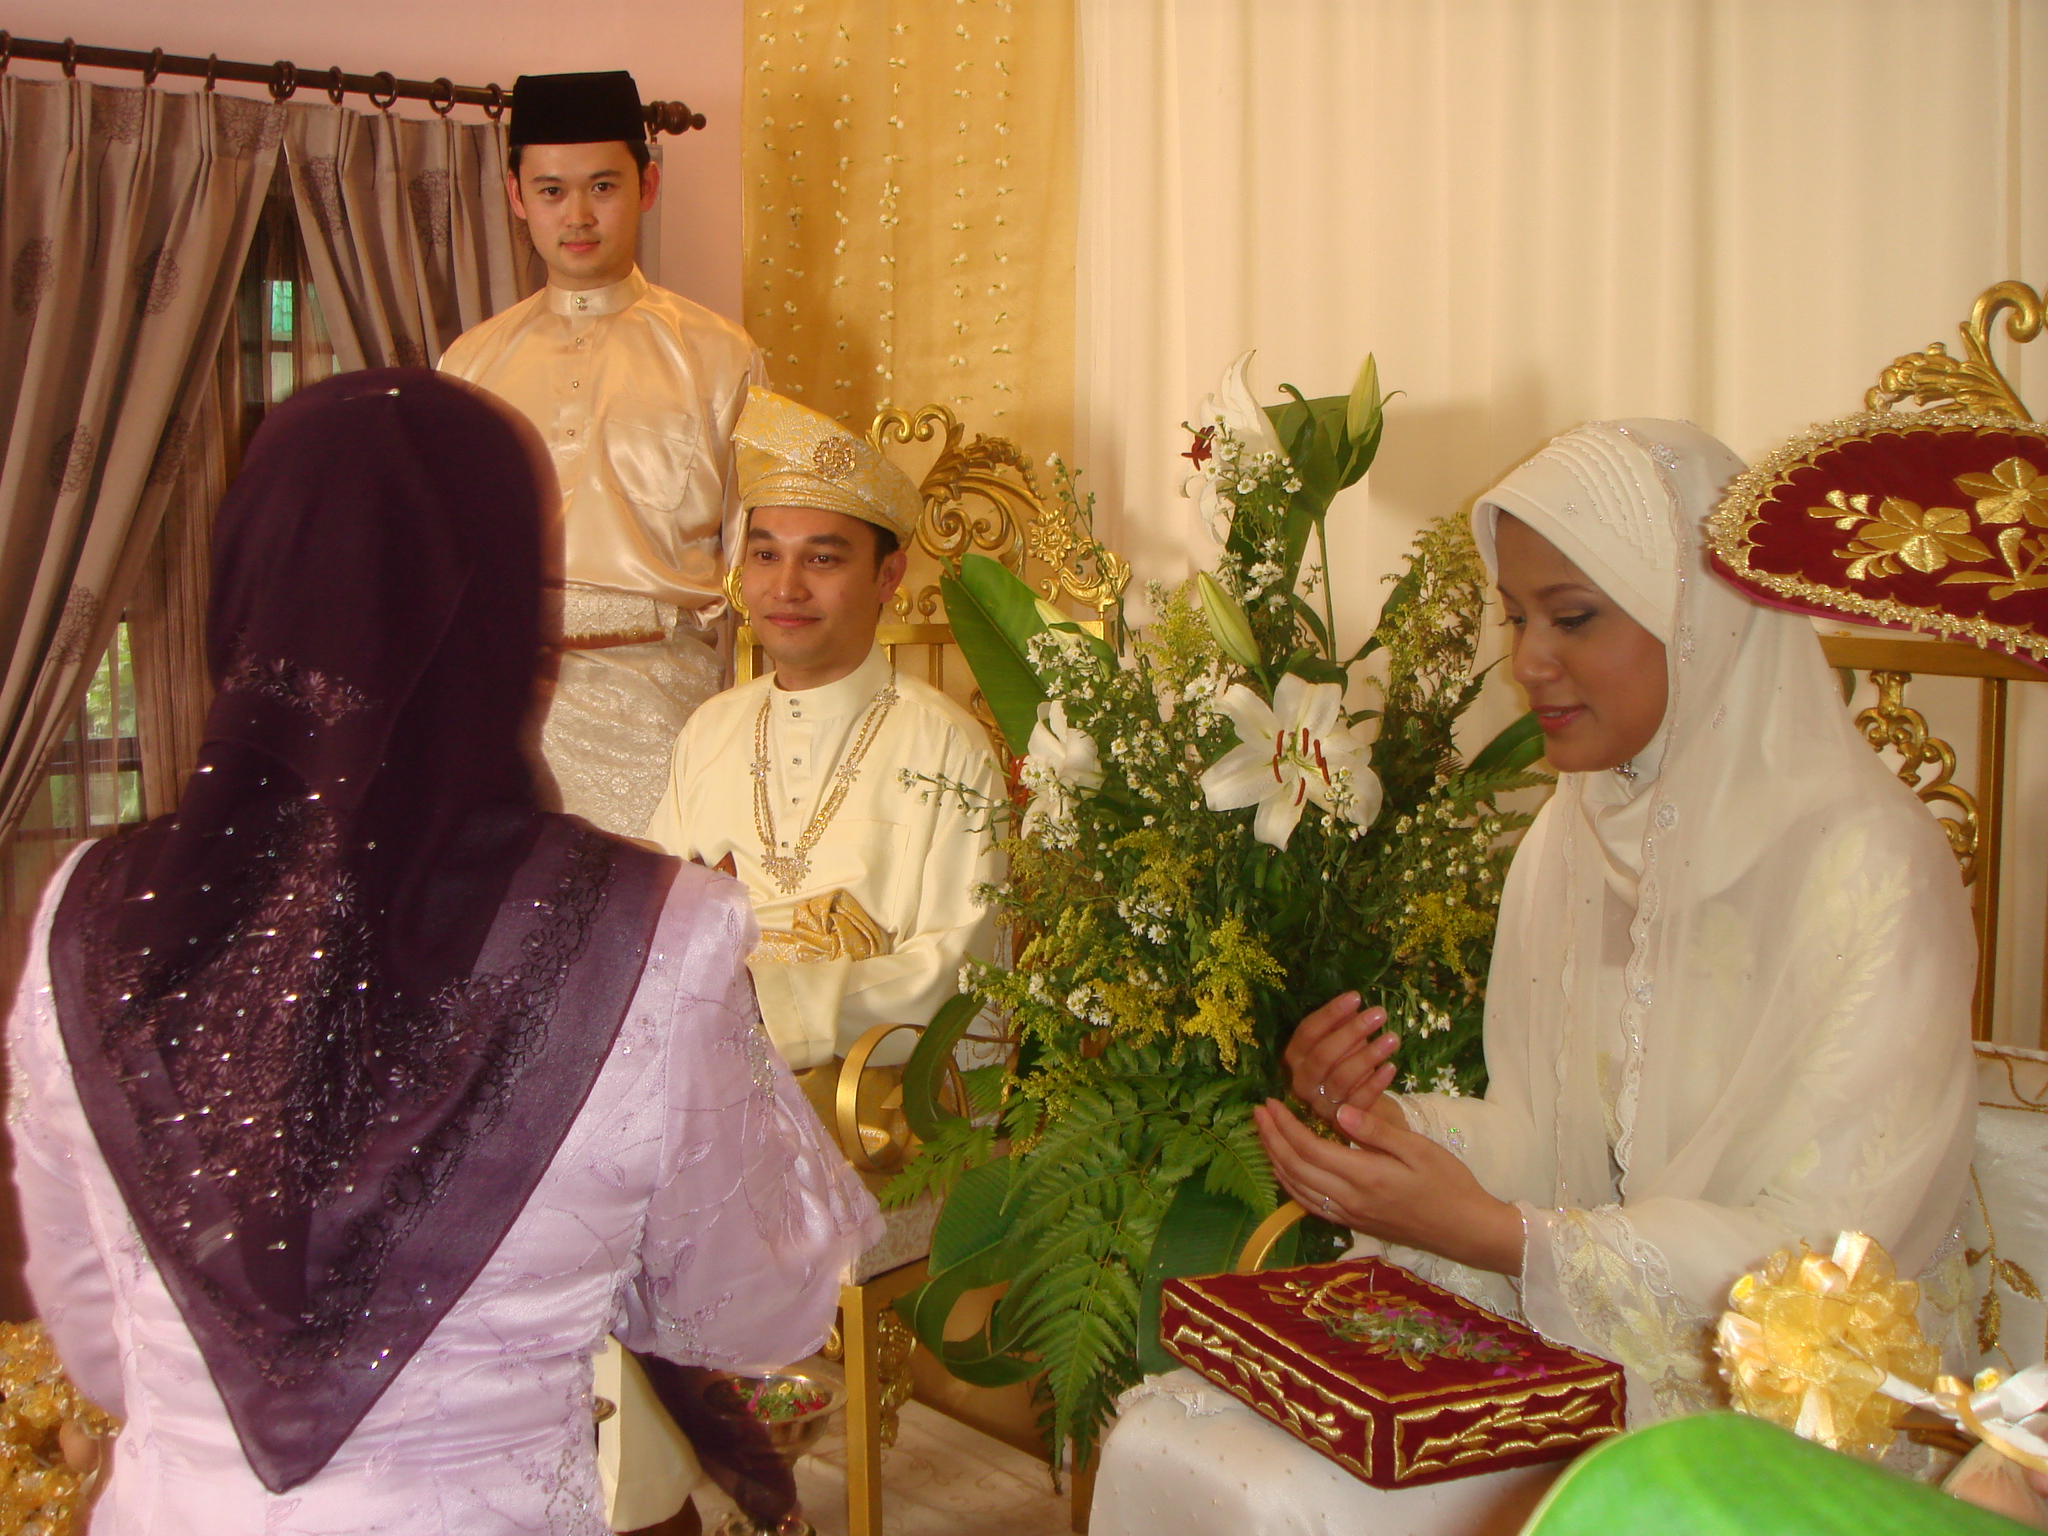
635, 391
909, 858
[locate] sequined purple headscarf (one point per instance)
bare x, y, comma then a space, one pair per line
331, 1018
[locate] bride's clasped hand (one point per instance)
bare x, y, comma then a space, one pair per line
1389, 1182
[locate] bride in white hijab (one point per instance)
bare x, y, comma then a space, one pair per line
1728, 1008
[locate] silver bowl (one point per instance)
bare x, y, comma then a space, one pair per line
790, 1434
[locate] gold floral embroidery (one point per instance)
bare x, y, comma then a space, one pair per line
1926, 539
2026, 564
2013, 490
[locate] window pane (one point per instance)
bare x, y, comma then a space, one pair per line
99, 700
281, 295
106, 803
282, 380
124, 721
64, 803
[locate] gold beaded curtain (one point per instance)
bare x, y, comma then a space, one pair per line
909, 174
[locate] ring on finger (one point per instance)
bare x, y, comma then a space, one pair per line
1326, 1206
1322, 1091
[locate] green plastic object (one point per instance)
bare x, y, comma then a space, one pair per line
1725, 1474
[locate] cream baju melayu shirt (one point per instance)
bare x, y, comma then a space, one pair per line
876, 930
635, 391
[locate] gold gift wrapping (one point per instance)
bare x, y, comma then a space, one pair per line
41, 1487
1808, 1341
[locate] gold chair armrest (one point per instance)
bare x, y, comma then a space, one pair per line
871, 1127
1259, 1246
880, 1142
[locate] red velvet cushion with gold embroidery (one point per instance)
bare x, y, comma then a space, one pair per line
1934, 523
1396, 1380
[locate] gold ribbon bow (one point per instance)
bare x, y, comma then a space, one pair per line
1808, 1342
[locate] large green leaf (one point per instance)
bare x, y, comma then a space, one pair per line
1202, 1233
974, 1219
971, 1249
1723, 1474
992, 633
1514, 749
983, 1358
925, 1072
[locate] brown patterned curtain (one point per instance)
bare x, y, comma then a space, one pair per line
408, 232
125, 216
167, 613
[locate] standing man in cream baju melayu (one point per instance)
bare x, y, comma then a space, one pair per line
635, 391
813, 784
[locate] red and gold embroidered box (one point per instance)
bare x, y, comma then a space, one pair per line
1394, 1379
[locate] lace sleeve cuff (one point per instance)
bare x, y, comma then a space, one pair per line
1434, 1116
1591, 1281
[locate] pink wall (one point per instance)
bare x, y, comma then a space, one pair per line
687, 50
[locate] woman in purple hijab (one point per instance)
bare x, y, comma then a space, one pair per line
357, 1100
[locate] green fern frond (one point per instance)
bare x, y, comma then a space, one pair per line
937, 1164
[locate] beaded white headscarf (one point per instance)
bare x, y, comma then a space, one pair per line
1598, 495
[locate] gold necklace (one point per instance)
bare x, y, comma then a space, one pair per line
790, 870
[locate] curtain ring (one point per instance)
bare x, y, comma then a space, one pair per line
441, 96
154, 67
334, 86
284, 80
493, 109
212, 70
387, 83
70, 58
6, 51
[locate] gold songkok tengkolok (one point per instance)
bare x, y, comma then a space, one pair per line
789, 455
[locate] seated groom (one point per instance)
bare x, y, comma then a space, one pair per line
864, 884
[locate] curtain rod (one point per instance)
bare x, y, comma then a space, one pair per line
284, 78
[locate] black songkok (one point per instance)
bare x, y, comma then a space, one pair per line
592, 108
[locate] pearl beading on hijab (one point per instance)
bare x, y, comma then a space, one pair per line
1605, 502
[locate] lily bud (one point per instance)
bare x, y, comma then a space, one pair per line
1227, 621
1361, 411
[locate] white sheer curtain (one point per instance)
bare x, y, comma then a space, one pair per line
1536, 212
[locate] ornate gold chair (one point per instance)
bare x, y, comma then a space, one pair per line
982, 495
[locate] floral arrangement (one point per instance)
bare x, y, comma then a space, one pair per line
1408, 1331
1208, 841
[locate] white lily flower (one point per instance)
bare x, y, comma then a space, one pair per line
1234, 411
1289, 753
1061, 762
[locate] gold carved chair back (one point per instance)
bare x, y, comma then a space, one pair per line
1936, 383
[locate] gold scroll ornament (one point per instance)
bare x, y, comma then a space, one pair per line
1973, 383
981, 497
